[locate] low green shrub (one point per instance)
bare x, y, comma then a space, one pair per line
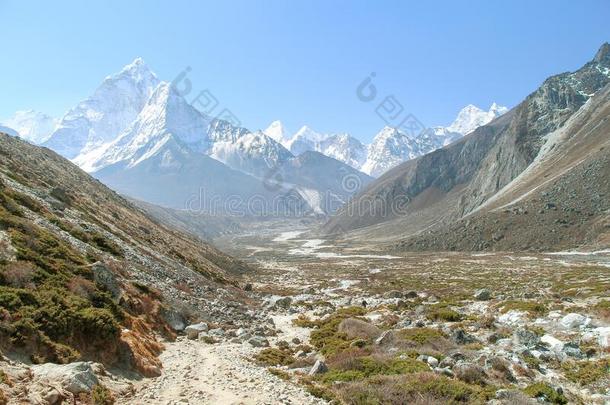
421, 335
101, 395
586, 372
368, 366
274, 357
546, 392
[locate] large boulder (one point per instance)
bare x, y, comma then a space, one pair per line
318, 368
482, 294
258, 341
552, 343
104, 277
74, 377
174, 319
283, 303
573, 321
355, 328
193, 331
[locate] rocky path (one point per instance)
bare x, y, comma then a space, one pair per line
200, 373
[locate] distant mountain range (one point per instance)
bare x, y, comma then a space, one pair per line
390, 146
536, 177
140, 136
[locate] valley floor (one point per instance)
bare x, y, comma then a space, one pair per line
507, 347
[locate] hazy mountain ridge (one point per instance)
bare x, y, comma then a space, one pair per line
33, 126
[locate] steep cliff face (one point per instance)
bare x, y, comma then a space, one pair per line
439, 188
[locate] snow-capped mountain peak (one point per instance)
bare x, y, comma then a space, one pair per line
471, 117
307, 133
166, 116
277, 131
100, 118
31, 125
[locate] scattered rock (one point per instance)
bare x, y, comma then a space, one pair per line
216, 332
444, 371
572, 350
552, 343
603, 337
403, 323
432, 361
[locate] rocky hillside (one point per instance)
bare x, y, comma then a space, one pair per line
434, 191
86, 275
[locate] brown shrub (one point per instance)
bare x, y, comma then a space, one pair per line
19, 274
500, 370
184, 287
356, 328
470, 373
143, 347
347, 359
418, 388
487, 321
82, 287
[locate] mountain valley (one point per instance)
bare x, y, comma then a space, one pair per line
152, 253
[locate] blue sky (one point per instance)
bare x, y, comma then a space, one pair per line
300, 62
